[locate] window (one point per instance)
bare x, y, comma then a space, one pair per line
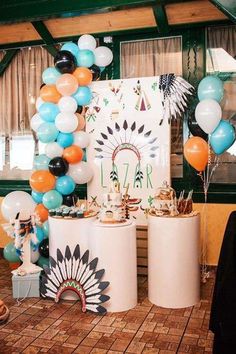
221, 61
152, 57
19, 89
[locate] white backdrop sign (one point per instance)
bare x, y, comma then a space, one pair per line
128, 143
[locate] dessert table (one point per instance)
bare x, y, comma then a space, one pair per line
173, 261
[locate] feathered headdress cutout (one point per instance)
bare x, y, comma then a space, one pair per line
174, 90
74, 272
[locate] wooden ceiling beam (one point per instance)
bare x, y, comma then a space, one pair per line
161, 19
228, 7
6, 60
20, 11
46, 37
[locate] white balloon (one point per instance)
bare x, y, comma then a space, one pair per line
82, 139
80, 172
34, 256
39, 103
66, 122
35, 122
67, 104
15, 202
86, 41
53, 150
208, 114
103, 56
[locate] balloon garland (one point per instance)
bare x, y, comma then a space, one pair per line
59, 125
211, 134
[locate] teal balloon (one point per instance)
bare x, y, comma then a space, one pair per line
102, 68
50, 76
65, 185
9, 253
52, 199
48, 111
211, 87
45, 228
47, 132
41, 162
222, 137
71, 47
43, 261
37, 197
39, 234
85, 58
83, 95
65, 139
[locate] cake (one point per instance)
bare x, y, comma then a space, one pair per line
112, 210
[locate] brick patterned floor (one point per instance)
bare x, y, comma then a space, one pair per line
41, 326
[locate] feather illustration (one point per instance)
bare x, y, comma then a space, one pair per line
73, 271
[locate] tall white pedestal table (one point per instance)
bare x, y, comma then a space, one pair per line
115, 247
173, 261
69, 232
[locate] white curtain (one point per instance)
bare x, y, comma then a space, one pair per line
19, 88
151, 57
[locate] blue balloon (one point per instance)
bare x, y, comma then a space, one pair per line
37, 197
65, 139
83, 95
52, 199
41, 162
71, 47
65, 185
45, 228
47, 132
222, 137
85, 58
210, 87
48, 111
39, 234
50, 76
9, 253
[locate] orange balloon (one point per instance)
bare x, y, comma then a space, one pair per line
83, 75
66, 84
81, 122
73, 154
42, 181
41, 212
49, 93
196, 153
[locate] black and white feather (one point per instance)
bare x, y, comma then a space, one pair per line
175, 91
74, 272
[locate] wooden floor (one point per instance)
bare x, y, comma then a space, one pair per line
38, 325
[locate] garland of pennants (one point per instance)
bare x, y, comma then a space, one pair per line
74, 272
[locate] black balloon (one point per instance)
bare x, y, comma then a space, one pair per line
70, 199
58, 166
44, 248
194, 128
95, 70
42, 86
65, 62
79, 109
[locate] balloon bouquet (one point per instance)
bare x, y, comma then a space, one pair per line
209, 131
59, 125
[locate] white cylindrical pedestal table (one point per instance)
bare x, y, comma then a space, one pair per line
68, 232
173, 261
115, 247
